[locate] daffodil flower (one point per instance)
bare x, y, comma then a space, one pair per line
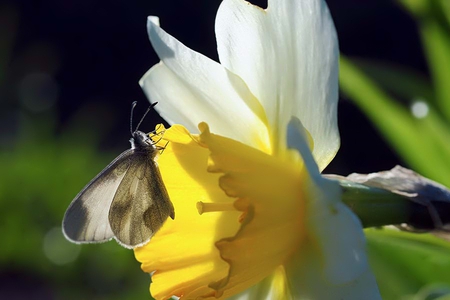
249, 137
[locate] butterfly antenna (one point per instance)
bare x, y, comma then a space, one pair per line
164, 148
143, 117
133, 105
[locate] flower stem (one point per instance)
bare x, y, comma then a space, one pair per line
378, 207
422, 206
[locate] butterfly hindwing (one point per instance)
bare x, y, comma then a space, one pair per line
86, 219
141, 204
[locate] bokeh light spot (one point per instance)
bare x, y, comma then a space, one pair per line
419, 109
57, 249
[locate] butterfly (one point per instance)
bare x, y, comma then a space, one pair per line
126, 201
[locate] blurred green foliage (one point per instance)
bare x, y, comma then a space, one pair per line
386, 94
412, 112
405, 264
41, 174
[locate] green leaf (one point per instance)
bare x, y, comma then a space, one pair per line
417, 7
437, 47
412, 138
434, 23
404, 263
439, 133
401, 81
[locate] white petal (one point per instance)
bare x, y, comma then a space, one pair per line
339, 235
261, 291
288, 56
296, 137
307, 282
333, 228
272, 287
192, 88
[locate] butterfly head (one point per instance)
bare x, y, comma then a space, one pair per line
141, 140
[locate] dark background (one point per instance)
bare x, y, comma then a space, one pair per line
96, 51
69, 70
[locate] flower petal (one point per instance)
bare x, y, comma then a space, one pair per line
192, 88
182, 254
269, 194
288, 56
334, 230
272, 287
307, 281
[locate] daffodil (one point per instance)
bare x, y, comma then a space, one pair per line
249, 137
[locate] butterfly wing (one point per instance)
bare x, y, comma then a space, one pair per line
141, 204
86, 219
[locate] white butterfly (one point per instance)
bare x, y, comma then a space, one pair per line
126, 201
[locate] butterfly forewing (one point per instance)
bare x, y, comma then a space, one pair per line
86, 219
141, 204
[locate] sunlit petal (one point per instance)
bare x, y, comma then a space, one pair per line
272, 287
334, 228
191, 88
268, 193
182, 254
288, 56
307, 281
